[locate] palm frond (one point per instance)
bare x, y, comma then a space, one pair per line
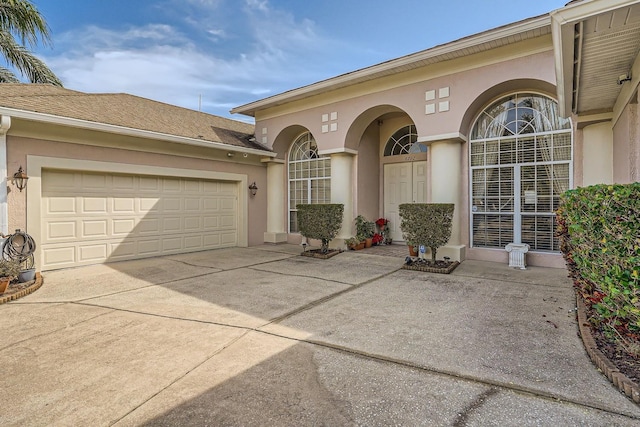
20, 17
8, 76
29, 65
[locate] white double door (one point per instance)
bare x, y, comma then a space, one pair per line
403, 183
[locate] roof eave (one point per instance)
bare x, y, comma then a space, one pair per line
484, 38
563, 23
121, 130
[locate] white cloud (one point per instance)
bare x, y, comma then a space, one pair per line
272, 52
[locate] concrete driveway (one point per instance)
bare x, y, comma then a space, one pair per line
261, 336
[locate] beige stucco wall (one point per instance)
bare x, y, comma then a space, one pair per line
597, 154
626, 146
19, 147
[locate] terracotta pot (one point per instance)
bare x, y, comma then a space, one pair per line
359, 246
4, 283
412, 250
368, 242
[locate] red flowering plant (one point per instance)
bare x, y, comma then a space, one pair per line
377, 239
383, 226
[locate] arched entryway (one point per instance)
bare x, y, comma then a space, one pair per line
405, 174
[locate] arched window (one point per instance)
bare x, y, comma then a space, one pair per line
404, 141
309, 176
521, 162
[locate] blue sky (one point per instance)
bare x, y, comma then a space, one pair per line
219, 54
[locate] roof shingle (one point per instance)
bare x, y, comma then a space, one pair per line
128, 111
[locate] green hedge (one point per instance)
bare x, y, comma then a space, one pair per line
599, 230
426, 224
321, 222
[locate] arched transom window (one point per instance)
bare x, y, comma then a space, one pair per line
521, 162
404, 141
309, 176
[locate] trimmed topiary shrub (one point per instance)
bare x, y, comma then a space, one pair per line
599, 230
321, 222
426, 224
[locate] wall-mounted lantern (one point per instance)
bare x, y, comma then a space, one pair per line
253, 188
19, 179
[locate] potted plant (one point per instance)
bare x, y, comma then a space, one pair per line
8, 271
365, 230
377, 239
354, 243
383, 226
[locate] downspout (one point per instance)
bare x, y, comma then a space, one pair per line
5, 124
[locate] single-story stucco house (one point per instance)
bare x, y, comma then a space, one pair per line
499, 123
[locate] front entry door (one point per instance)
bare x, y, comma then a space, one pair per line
403, 183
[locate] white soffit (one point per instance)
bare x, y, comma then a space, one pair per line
595, 42
492, 39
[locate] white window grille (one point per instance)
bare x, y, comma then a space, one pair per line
521, 162
309, 176
404, 141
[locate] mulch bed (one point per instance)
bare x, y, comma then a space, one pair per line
617, 364
442, 267
18, 290
317, 253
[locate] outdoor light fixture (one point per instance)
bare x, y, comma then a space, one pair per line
19, 179
253, 188
624, 78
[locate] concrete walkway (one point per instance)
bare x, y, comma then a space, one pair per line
261, 336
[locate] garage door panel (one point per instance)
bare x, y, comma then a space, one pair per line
123, 227
93, 253
59, 256
227, 204
192, 186
94, 205
149, 247
58, 181
95, 228
122, 250
228, 221
149, 205
171, 204
172, 225
170, 185
62, 205
211, 222
193, 242
192, 204
123, 182
57, 230
124, 205
94, 181
170, 244
149, 184
149, 226
192, 224
90, 218
229, 238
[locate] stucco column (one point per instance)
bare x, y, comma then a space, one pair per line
276, 202
342, 192
447, 187
5, 124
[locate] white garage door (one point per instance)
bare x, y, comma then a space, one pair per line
90, 218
